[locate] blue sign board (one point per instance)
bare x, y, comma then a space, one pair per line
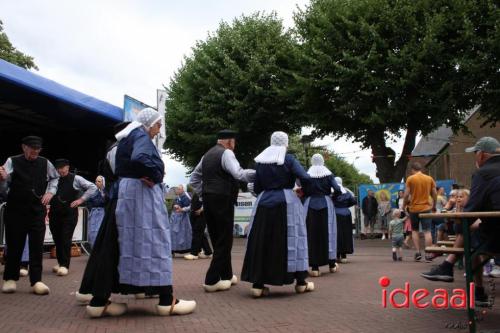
131, 107
391, 189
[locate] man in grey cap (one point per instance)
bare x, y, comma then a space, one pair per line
215, 180
32, 181
484, 196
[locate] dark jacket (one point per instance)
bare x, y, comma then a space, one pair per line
485, 195
137, 157
215, 179
369, 206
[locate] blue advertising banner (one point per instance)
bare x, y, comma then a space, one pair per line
131, 107
391, 189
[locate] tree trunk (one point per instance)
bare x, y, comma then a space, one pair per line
388, 169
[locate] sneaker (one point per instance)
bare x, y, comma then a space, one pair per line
439, 273
394, 256
383, 236
487, 268
482, 299
400, 259
429, 258
495, 272
418, 256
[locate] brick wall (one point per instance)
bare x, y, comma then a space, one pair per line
454, 163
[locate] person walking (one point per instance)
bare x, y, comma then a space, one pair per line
321, 219
277, 251
63, 212
215, 179
420, 197
32, 182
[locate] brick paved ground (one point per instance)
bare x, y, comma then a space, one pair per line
349, 301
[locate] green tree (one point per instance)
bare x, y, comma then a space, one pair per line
237, 78
375, 70
9, 53
303, 151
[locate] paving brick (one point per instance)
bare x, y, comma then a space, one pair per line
348, 301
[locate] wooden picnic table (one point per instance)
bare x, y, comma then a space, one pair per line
466, 217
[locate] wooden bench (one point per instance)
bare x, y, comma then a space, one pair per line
465, 217
445, 243
441, 250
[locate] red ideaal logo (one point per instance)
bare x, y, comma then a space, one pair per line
439, 300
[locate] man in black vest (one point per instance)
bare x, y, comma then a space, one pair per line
32, 181
215, 179
63, 213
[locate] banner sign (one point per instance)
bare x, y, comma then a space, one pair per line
131, 107
161, 98
242, 213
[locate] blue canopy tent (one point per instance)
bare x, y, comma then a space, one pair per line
73, 125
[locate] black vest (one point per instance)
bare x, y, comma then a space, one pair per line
28, 180
215, 179
66, 194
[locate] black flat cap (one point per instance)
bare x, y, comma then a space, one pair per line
61, 162
226, 134
32, 141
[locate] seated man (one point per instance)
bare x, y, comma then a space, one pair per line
484, 196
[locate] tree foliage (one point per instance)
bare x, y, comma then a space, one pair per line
237, 78
303, 151
9, 53
373, 69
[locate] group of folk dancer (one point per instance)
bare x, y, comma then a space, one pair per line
132, 252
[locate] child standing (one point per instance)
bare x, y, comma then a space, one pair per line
396, 233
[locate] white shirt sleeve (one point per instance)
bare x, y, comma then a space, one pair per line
4, 184
231, 165
52, 178
196, 179
111, 157
83, 185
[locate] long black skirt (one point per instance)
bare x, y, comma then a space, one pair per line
101, 277
266, 256
317, 236
344, 235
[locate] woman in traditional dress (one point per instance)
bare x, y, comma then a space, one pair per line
96, 205
342, 204
145, 259
181, 231
276, 251
321, 221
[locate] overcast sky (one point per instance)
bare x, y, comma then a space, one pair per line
111, 48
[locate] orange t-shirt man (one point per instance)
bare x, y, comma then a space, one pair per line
421, 187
